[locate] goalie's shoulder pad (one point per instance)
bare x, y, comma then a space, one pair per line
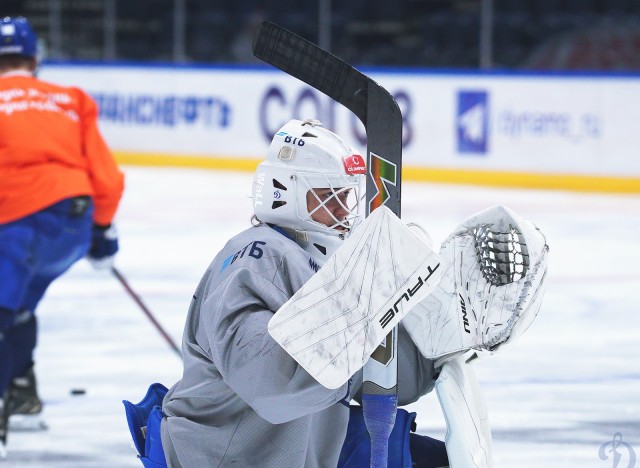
495, 265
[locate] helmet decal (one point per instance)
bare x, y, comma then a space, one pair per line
354, 164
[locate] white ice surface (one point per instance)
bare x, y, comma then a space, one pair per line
554, 397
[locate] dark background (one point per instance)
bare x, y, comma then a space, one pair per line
594, 35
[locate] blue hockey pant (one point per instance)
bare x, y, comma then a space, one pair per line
34, 251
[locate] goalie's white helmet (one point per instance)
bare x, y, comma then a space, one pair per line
302, 159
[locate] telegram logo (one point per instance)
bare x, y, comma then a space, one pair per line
472, 122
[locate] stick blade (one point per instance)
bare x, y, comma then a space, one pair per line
339, 317
313, 65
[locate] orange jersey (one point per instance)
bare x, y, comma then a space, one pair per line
51, 149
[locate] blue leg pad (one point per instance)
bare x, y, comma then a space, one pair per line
138, 414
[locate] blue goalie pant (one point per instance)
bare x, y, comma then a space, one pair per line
406, 449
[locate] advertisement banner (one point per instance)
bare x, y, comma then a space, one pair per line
538, 124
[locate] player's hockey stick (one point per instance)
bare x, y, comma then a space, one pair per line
381, 116
146, 310
4, 426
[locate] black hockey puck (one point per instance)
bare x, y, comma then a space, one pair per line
78, 391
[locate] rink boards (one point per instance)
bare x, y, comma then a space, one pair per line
566, 131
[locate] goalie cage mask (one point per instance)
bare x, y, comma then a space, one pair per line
304, 157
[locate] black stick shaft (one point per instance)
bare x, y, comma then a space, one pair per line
379, 112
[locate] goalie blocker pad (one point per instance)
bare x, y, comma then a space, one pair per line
495, 265
340, 316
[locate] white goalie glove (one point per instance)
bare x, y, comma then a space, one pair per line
491, 290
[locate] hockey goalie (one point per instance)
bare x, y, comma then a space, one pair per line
274, 350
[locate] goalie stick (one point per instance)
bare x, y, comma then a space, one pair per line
382, 119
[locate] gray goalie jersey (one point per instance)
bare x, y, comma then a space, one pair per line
242, 400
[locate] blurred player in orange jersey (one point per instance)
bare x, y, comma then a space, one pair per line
59, 191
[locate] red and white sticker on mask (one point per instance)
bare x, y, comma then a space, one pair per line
354, 164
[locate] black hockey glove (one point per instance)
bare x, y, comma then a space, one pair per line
104, 245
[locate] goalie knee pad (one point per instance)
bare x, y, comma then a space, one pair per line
154, 454
144, 421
